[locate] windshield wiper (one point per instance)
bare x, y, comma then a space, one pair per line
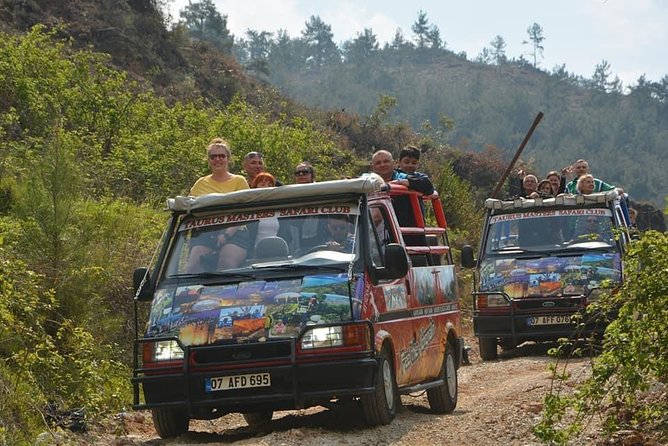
520, 251
302, 266
212, 275
570, 250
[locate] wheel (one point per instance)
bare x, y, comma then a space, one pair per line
487, 348
170, 423
380, 407
256, 419
443, 399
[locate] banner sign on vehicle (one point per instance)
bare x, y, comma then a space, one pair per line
549, 214
326, 209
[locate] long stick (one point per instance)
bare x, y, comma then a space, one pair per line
498, 187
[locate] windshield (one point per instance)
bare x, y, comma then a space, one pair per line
550, 252
238, 243
550, 230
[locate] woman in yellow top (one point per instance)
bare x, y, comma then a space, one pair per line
231, 245
220, 180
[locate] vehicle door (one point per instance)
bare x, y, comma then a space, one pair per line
391, 299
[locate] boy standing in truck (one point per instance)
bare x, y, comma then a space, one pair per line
409, 159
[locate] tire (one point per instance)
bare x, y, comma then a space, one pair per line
257, 419
380, 407
487, 349
443, 399
170, 423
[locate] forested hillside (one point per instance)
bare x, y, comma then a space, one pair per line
489, 100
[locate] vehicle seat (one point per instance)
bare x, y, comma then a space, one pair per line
271, 248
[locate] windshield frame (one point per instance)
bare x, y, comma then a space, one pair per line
548, 234
347, 204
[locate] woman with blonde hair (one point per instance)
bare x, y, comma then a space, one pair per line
220, 180
231, 244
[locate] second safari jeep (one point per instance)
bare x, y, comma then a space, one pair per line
541, 263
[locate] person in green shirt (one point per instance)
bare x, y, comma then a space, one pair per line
581, 167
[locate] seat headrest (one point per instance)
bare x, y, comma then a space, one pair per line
271, 248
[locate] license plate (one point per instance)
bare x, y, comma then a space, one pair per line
550, 320
237, 382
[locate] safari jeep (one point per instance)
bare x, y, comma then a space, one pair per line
301, 320
541, 262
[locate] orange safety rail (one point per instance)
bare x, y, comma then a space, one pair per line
440, 249
438, 209
414, 196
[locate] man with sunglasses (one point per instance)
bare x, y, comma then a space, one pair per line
304, 173
253, 164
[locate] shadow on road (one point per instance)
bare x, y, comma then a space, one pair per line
342, 417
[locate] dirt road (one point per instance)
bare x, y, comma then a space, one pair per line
499, 403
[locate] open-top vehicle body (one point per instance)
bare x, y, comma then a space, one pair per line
301, 320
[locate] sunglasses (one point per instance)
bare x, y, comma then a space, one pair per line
299, 173
250, 155
214, 156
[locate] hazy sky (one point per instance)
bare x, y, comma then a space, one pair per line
632, 35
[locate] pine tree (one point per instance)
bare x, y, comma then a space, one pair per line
535, 32
421, 29
204, 22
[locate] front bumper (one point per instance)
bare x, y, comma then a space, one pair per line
515, 323
518, 329
295, 382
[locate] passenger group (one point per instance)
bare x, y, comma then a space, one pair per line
234, 244
555, 184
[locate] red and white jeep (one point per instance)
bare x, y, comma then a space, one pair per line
306, 318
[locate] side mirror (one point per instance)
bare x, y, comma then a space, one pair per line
396, 260
142, 285
396, 263
468, 260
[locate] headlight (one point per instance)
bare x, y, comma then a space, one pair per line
323, 337
167, 351
491, 301
350, 337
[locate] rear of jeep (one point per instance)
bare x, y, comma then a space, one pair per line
541, 263
280, 330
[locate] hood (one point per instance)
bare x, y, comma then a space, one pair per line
255, 310
549, 276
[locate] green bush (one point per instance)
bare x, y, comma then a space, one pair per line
634, 357
47, 358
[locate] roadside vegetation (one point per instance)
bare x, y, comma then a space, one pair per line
628, 385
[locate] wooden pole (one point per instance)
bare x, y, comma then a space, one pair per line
498, 187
